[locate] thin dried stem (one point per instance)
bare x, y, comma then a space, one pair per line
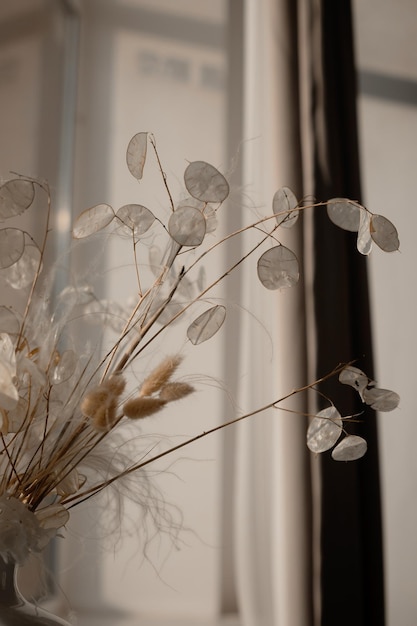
84, 495
164, 176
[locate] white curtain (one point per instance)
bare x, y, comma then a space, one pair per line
272, 500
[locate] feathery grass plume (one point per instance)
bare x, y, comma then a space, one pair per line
175, 391
160, 376
100, 404
94, 400
105, 417
115, 384
140, 407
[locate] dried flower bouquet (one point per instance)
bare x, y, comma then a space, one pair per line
63, 414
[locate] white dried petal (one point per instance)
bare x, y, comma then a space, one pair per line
15, 197
354, 377
204, 182
92, 220
344, 213
22, 273
364, 241
187, 226
324, 430
206, 325
64, 367
278, 268
350, 448
136, 154
384, 233
381, 399
52, 517
20, 531
135, 218
12, 245
284, 205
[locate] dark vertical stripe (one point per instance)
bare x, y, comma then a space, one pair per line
351, 535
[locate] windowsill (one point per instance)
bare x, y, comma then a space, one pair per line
159, 621
110, 616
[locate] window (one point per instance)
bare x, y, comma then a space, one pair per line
386, 51
158, 67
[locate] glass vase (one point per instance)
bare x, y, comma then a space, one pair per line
14, 609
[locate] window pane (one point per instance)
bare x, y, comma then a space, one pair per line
158, 67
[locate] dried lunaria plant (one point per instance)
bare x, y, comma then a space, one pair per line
63, 413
